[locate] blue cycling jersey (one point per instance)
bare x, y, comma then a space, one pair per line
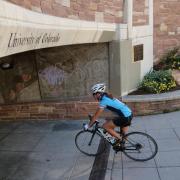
115, 106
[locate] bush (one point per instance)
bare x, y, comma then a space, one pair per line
171, 60
157, 81
176, 63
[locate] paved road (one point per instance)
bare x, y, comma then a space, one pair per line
45, 150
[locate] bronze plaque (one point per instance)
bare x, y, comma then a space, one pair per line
138, 52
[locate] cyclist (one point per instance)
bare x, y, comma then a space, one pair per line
107, 101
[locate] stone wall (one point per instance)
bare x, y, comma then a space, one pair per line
166, 16
140, 12
166, 26
110, 11
154, 107
101, 11
78, 110
59, 73
47, 110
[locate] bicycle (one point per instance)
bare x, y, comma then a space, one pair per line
138, 146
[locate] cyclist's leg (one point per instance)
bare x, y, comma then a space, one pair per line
110, 126
124, 130
125, 126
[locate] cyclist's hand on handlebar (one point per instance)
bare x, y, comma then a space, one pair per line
86, 126
90, 116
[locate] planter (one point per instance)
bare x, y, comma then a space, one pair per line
176, 75
153, 103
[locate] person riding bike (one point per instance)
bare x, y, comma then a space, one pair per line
108, 102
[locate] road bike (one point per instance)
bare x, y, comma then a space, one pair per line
138, 146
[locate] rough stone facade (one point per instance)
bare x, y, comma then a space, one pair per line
109, 11
140, 12
166, 16
59, 73
101, 10
166, 26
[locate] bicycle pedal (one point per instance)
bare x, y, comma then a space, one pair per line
117, 148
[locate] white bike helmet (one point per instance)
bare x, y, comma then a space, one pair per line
98, 88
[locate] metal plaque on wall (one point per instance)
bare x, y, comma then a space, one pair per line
138, 52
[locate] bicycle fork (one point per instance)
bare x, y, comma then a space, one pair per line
91, 138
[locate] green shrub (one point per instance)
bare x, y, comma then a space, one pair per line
158, 81
171, 60
176, 63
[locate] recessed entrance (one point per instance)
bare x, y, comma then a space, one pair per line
58, 73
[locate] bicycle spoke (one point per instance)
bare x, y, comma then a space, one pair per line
139, 146
88, 143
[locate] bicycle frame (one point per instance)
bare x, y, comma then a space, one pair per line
97, 129
138, 146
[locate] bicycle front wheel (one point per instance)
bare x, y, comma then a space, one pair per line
89, 143
139, 146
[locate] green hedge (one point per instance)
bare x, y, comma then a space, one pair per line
158, 81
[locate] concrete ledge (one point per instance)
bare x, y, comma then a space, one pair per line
154, 103
152, 97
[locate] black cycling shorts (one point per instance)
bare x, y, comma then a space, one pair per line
122, 121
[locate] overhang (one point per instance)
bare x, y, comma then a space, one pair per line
23, 30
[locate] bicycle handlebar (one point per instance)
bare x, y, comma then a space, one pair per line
90, 118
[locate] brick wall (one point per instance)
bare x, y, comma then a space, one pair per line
91, 10
77, 110
110, 11
166, 26
154, 107
166, 16
140, 12
46, 110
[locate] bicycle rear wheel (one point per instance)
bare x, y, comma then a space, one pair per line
139, 146
89, 143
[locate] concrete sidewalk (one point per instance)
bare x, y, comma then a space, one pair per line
42, 151
45, 150
165, 129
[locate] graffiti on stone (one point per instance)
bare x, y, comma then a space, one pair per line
51, 79
52, 75
65, 72
79, 67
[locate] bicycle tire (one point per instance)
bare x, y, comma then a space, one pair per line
97, 146
137, 144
